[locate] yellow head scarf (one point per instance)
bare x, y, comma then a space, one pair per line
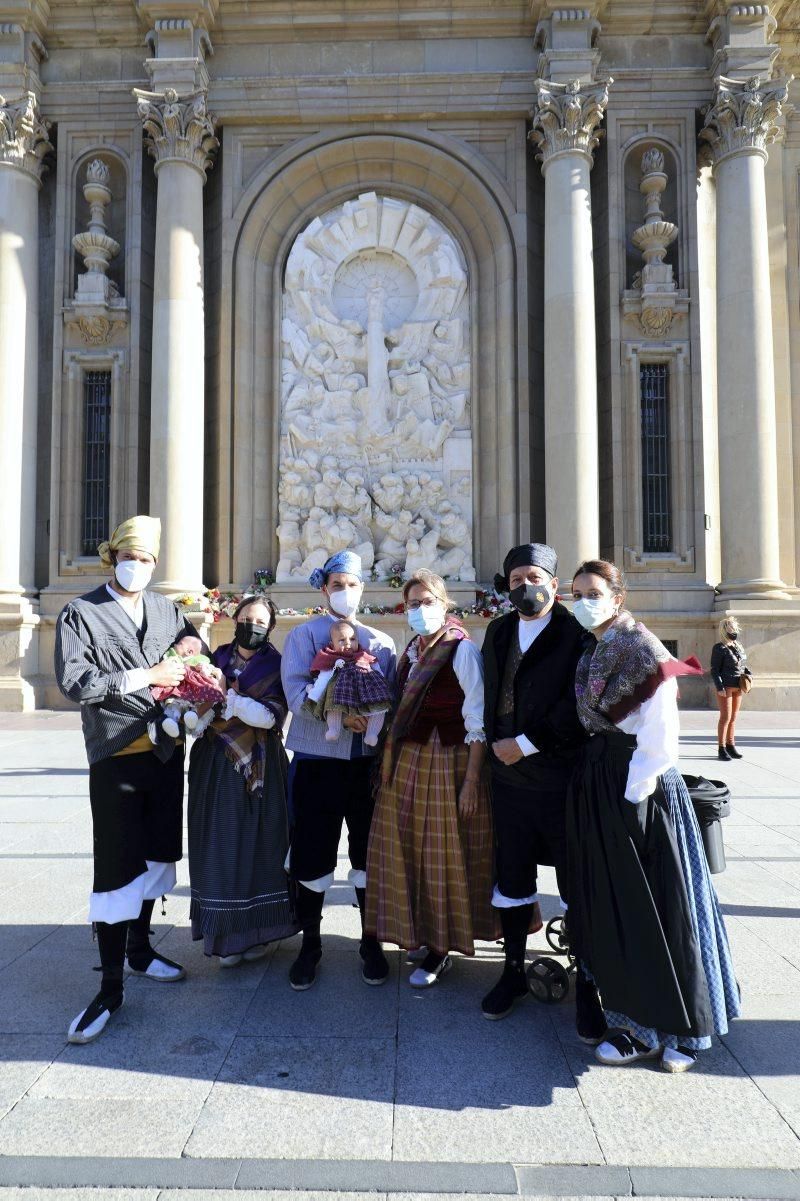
137, 533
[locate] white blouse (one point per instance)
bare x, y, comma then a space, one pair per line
468, 666
656, 725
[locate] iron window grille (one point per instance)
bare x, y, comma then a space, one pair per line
656, 481
97, 445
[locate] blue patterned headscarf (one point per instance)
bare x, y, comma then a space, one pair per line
344, 560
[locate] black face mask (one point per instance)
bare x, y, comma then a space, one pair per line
249, 636
530, 599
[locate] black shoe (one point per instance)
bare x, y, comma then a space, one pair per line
732, 751
590, 1021
375, 966
722, 753
92, 1022
512, 985
303, 971
155, 967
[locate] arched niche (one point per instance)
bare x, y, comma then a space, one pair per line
635, 202
375, 440
115, 213
447, 180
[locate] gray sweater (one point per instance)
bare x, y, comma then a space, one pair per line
307, 733
96, 643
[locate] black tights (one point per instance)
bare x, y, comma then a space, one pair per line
114, 938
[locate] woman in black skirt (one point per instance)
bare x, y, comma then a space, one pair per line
643, 915
238, 827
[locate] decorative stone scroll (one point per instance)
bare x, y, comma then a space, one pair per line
178, 128
24, 139
567, 117
744, 116
375, 434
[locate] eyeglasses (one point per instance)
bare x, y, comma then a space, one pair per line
427, 603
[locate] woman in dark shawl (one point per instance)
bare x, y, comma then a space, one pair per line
238, 827
643, 916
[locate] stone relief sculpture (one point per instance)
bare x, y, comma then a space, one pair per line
375, 434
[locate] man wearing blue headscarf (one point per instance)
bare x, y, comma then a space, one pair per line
330, 782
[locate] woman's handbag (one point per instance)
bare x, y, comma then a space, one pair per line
745, 681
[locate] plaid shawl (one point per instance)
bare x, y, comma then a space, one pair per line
621, 671
260, 679
413, 687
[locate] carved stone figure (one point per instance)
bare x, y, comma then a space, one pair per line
375, 371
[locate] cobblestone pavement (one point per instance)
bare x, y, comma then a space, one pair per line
231, 1082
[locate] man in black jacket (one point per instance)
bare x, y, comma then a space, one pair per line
534, 736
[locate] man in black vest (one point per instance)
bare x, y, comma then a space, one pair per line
534, 737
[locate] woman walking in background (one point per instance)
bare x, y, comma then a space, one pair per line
643, 915
728, 664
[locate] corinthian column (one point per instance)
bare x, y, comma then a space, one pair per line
180, 135
738, 127
565, 125
23, 145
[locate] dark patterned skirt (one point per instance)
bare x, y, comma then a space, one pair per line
356, 691
237, 848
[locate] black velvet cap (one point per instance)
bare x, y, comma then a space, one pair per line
530, 554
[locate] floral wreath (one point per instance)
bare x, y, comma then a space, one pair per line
218, 605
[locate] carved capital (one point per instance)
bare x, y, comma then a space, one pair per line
567, 118
24, 138
743, 118
178, 128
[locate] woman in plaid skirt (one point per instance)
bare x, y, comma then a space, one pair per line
429, 864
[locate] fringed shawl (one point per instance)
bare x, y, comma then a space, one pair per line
621, 671
414, 685
260, 679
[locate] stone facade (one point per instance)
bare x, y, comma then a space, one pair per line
423, 279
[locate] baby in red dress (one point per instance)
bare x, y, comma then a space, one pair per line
349, 683
197, 688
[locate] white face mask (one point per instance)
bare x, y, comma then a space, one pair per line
591, 613
133, 575
345, 601
427, 619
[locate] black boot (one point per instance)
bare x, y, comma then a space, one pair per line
303, 971
733, 753
92, 1021
512, 985
374, 964
590, 1021
722, 753
142, 959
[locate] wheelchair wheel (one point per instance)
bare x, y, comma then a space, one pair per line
547, 980
556, 935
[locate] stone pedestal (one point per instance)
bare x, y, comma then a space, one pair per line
565, 129
181, 139
738, 127
23, 144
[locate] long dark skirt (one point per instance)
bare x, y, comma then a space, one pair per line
237, 848
642, 907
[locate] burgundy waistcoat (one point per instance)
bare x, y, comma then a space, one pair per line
441, 709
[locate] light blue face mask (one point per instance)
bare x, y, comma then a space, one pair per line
427, 619
592, 612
